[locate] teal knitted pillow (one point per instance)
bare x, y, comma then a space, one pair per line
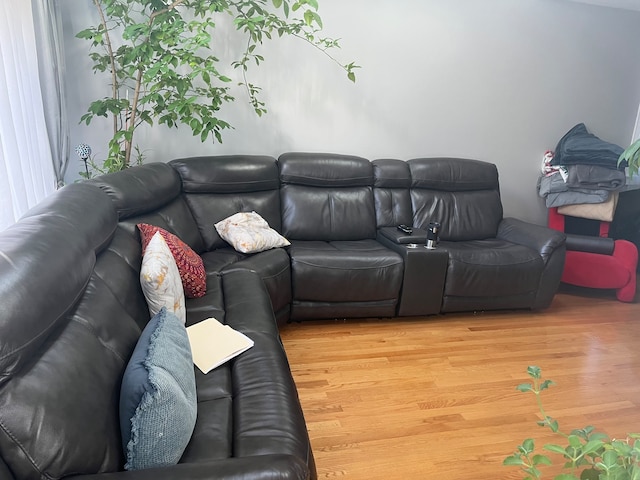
158, 395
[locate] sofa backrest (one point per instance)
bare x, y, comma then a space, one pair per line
463, 195
326, 197
71, 315
151, 193
217, 187
392, 180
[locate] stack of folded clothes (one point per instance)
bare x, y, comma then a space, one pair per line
582, 177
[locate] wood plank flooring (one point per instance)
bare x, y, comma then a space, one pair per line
435, 397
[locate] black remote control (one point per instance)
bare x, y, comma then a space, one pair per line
406, 229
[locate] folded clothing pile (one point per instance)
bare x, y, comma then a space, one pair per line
582, 177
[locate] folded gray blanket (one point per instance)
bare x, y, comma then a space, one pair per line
595, 177
557, 193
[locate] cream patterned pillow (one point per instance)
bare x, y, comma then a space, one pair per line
160, 279
248, 232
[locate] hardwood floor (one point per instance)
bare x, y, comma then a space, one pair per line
435, 397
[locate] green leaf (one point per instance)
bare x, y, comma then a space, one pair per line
539, 459
308, 17
525, 387
513, 460
555, 448
546, 384
351, 76
277, 3
534, 372
610, 458
592, 446
590, 474
574, 441
86, 34
528, 445
565, 476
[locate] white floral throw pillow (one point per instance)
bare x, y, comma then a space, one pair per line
160, 279
248, 232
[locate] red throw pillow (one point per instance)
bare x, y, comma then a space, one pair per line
190, 265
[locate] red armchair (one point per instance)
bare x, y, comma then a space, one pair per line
598, 262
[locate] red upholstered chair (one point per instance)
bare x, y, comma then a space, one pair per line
598, 261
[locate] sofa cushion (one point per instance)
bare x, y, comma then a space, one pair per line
355, 271
158, 395
248, 232
160, 279
189, 263
463, 195
493, 267
392, 181
326, 197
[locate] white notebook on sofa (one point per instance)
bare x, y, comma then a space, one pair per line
213, 343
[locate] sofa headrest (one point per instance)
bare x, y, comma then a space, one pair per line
140, 189
227, 173
325, 170
453, 174
391, 173
46, 260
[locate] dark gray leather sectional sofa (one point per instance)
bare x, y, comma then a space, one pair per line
72, 307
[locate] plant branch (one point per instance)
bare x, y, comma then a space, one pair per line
131, 121
323, 50
153, 16
107, 43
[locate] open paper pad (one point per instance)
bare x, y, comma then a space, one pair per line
213, 343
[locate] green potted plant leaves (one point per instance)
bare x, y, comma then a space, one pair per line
632, 157
163, 69
585, 453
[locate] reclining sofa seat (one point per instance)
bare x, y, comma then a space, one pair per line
494, 263
70, 276
216, 187
338, 269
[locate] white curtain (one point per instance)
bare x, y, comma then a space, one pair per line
26, 166
48, 29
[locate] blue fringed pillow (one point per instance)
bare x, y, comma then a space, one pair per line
158, 395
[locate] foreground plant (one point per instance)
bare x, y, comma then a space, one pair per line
631, 155
587, 454
162, 68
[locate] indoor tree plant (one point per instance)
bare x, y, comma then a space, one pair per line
586, 454
163, 69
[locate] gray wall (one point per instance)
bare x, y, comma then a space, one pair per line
496, 80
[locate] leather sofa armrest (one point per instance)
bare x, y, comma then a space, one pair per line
264, 467
396, 236
587, 243
423, 277
542, 239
